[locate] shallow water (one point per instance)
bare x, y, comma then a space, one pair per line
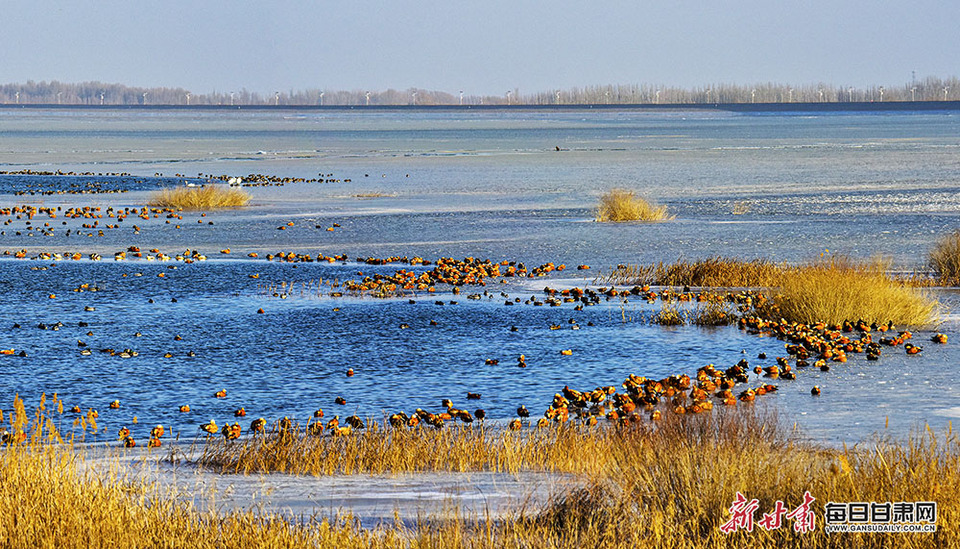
453, 184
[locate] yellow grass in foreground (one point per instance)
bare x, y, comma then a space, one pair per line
208, 197
670, 486
378, 450
621, 205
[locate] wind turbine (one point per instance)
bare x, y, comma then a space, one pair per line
821, 94
414, 94
558, 97
753, 95
945, 90
18, 98
101, 98
913, 94
231, 98
188, 98
461, 97
145, 97
368, 98
321, 99
658, 97
881, 94
790, 95
276, 99
58, 97
508, 96
850, 95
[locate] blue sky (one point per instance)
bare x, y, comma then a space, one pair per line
479, 47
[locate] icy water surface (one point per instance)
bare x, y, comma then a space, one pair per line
448, 184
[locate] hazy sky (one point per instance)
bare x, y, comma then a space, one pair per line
483, 47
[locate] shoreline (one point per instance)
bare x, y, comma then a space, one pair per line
839, 106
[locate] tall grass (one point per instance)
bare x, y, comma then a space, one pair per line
620, 205
723, 272
670, 485
379, 450
207, 197
678, 495
944, 259
49, 498
831, 289
836, 289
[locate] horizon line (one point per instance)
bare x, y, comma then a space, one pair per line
798, 106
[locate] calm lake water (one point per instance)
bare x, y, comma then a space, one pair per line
488, 184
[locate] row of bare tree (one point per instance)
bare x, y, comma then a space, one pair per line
99, 93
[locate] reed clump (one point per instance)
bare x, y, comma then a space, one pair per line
679, 496
377, 449
713, 313
837, 289
207, 197
49, 497
944, 259
716, 272
619, 205
670, 314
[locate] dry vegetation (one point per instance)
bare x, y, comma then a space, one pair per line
944, 259
831, 289
208, 197
666, 486
620, 205
715, 272
378, 449
836, 289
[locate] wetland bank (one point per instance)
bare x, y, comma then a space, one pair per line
356, 226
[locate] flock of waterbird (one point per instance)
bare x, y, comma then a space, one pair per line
815, 345
51, 183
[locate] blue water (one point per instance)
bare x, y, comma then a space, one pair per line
451, 184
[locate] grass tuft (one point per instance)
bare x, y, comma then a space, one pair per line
620, 205
944, 259
717, 272
208, 197
836, 289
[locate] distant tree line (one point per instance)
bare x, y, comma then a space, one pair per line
99, 93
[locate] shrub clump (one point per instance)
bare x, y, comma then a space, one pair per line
944, 259
620, 205
837, 289
207, 197
713, 272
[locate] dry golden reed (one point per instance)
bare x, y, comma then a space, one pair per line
836, 289
668, 484
378, 450
944, 260
831, 289
207, 197
618, 205
716, 272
